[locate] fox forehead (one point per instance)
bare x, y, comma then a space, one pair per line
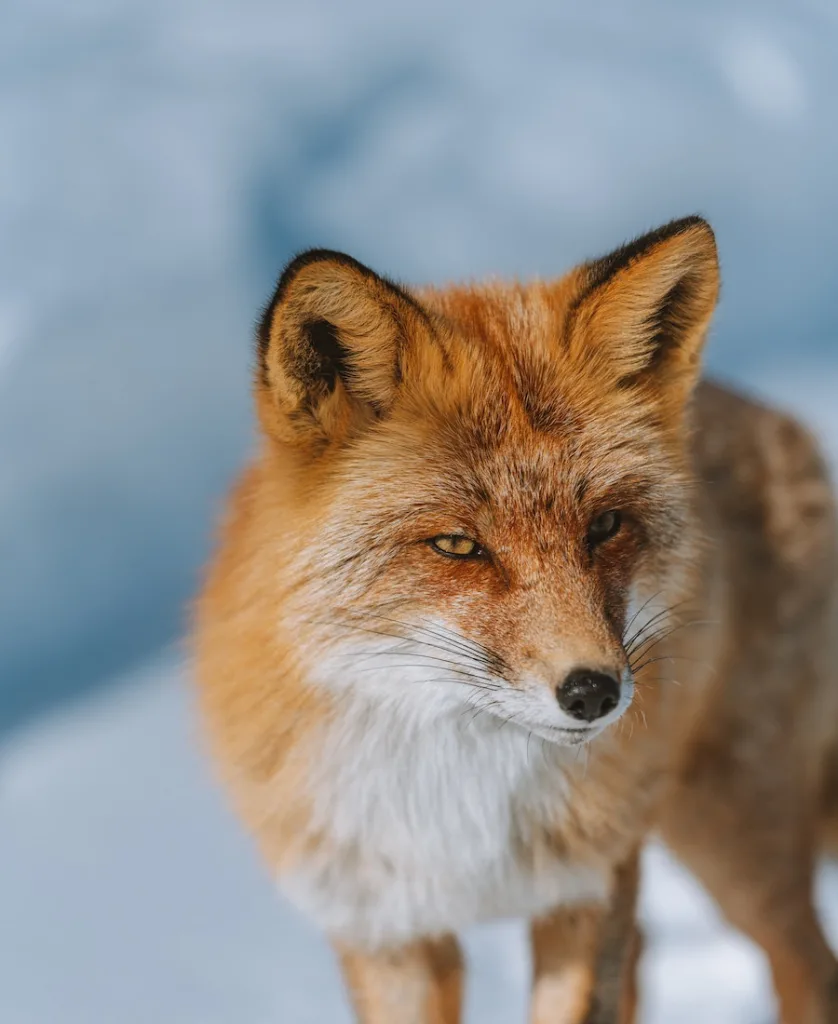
544, 482
505, 315
502, 360
515, 399
476, 441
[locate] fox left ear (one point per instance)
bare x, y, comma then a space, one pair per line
331, 348
642, 312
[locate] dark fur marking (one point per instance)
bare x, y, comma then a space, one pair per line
305, 259
447, 361
331, 355
539, 408
601, 270
670, 320
400, 334
666, 327
543, 407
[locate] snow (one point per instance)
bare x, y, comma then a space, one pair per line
130, 894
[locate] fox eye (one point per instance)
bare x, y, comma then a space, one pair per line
455, 545
604, 526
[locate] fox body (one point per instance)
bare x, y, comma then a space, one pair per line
504, 590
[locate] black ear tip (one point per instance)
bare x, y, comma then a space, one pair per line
309, 256
703, 237
693, 220
306, 259
602, 269
704, 248
300, 262
696, 223
290, 271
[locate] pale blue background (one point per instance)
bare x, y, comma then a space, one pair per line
159, 161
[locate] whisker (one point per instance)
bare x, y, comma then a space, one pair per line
656, 618
464, 676
660, 634
452, 638
654, 638
670, 657
448, 640
470, 648
396, 636
394, 652
649, 644
645, 604
669, 610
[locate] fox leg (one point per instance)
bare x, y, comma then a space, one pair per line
417, 984
585, 959
748, 833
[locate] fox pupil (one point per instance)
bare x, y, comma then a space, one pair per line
604, 526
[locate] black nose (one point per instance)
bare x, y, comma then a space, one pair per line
588, 695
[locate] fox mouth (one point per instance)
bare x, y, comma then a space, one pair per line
570, 731
576, 737
568, 736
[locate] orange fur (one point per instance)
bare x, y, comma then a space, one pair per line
353, 679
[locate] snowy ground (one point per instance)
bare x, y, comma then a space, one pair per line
130, 896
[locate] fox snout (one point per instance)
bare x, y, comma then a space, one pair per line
588, 695
573, 698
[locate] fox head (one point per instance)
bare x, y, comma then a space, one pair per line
480, 482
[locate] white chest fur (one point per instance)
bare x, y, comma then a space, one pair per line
435, 819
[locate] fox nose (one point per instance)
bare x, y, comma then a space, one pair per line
588, 695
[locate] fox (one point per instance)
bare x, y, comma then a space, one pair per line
507, 588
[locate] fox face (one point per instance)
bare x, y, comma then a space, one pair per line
489, 484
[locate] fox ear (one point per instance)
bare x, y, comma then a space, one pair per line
330, 347
642, 312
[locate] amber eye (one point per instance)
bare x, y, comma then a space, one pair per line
455, 545
604, 526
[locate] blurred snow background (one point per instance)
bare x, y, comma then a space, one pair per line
159, 162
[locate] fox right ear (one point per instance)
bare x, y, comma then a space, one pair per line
642, 312
331, 342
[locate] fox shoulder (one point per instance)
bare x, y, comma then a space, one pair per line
768, 472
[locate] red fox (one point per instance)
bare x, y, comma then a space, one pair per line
504, 591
